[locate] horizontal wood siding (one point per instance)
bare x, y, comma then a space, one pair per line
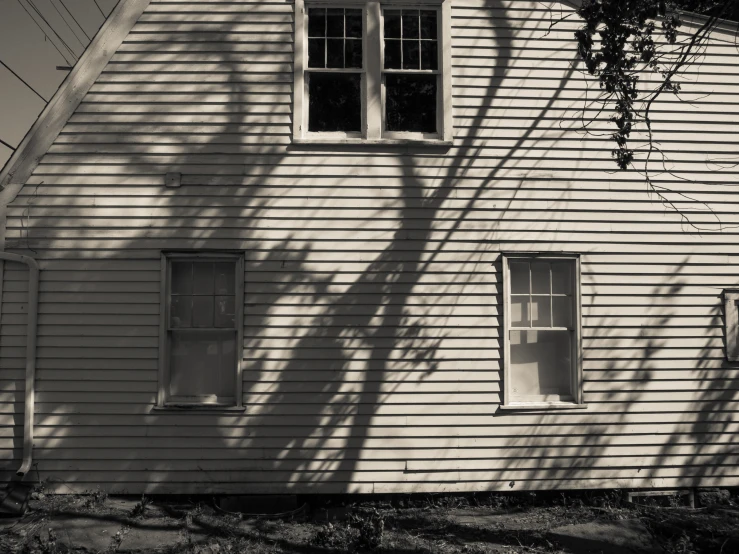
372, 331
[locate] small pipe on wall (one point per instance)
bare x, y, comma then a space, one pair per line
33, 279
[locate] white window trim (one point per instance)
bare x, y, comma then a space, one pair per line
576, 371
163, 400
731, 327
372, 89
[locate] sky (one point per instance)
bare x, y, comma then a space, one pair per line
28, 52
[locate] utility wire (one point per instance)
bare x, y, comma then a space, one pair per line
6, 144
43, 31
22, 81
101, 10
75, 20
64, 42
76, 37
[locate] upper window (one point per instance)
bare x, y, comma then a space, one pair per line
372, 72
542, 330
201, 332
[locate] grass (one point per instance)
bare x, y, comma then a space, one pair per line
439, 524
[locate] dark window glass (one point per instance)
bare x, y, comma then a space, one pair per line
335, 53
410, 23
428, 24
353, 56
317, 22
411, 55
334, 102
410, 103
354, 23
392, 54
429, 54
392, 23
335, 22
316, 52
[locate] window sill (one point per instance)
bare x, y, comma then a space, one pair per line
372, 142
530, 406
210, 408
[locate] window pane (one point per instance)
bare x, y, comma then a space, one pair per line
562, 277
354, 23
540, 277
562, 311
334, 102
203, 278
520, 311
180, 311
411, 55
428, 24
429, 55
335, 53
316, 22
316, 52
202, 311
202, 364
519, 275
410, 103
181, 278
335, 22
410, 23
392, 23
540, 364
541, 315
353, 57
392, 54
225, 312
225, 278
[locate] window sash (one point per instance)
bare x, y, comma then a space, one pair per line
164, 398
574, 332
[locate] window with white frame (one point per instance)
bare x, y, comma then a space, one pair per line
542, 361
202, 298
368, 71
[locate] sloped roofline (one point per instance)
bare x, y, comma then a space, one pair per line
70, 93
98, 53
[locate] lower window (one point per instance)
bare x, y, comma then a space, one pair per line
542, 330
201, 329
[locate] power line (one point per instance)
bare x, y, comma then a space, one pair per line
101, 10
22, 81
43, 31
64, 42
76, 37
6, 144
75, 20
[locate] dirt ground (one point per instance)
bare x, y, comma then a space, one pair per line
484, 523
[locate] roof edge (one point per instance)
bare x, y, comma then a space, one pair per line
70, 93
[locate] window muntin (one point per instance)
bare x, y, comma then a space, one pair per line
334, 74
542, 333
410, 71
200, 360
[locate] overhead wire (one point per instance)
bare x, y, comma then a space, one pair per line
101, 9
6, 144
89, 38
74, 33
23, 81
64, 42
44, 32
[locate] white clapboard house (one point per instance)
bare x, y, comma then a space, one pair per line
366, 246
